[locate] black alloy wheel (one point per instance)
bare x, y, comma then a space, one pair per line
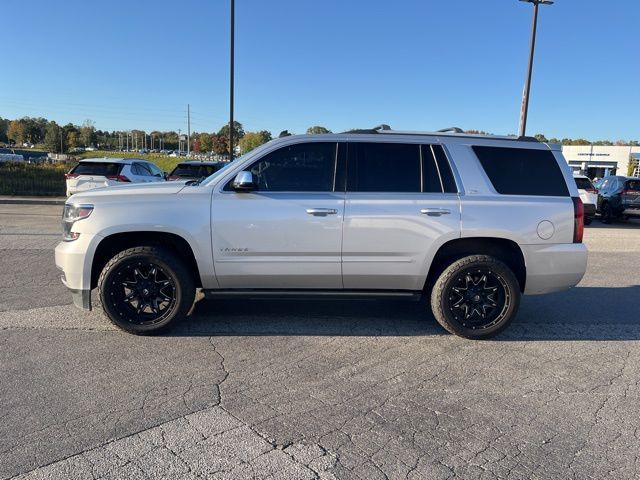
143, 289
476, 297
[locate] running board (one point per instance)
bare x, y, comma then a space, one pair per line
312, 294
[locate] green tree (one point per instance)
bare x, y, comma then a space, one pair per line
52, 138
15, 132
540, 137
73, 140
87, 132
220, 144
206, 145
252, 140
317, 129
238, 133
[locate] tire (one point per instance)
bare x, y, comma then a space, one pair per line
607, 214
588, 220
494, 303
142, 290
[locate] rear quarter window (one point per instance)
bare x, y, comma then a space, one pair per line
521, 171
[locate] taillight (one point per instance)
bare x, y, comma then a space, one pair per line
578, 220
591, 190
118, 178
630, 192
71, 175
173, 177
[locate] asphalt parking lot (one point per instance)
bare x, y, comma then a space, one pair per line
348, 389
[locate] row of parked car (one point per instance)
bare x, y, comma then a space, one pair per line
613, 197
102, 172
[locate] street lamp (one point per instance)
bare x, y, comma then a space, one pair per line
231, 67
527, 86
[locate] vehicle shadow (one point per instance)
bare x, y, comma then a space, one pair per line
583, 313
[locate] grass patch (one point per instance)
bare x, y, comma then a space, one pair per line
18, 178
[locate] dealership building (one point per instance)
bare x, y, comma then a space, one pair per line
600, 161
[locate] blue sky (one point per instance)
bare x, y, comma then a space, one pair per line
414, 64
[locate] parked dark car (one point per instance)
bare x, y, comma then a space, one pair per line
194, 170
619, 197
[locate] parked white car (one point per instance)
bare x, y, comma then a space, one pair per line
588, 195
365, 214
105, 172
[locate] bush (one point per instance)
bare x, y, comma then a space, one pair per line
21, 178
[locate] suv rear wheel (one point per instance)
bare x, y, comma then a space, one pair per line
475, 297
143, 289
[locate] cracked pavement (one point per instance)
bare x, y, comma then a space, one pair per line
300, 389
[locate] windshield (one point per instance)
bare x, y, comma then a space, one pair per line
633, 185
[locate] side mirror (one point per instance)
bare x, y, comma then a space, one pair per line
244, 182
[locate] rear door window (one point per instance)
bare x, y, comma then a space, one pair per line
98, 168
384, 167
522, 171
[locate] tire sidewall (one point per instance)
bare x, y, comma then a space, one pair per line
172, 268
451, 274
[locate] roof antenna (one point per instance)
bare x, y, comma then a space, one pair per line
451, 129
384, 126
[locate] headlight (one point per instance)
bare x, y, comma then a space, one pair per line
71, 214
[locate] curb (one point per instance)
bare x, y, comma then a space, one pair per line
31, 201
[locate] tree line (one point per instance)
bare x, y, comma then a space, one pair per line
66, 138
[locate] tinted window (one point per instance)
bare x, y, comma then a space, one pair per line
305, 167
191, 170
97, 168
448, 182
383, 167
583, 183
632, 185
520, 171
430, 176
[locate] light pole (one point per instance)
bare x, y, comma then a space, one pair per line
231, 52
527, 86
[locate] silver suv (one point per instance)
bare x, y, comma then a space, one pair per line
461, 219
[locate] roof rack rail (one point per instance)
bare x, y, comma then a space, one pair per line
451, 129
379, 129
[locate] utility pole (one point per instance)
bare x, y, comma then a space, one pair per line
527, 86
233, 20
188, 130
179, 142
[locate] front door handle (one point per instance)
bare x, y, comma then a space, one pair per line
435, 212
321, 212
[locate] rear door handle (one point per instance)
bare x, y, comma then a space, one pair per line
435, 212
321, 212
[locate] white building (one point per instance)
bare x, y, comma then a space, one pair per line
600, 161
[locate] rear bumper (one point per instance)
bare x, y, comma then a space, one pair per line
589, 209
632, 212
553, 268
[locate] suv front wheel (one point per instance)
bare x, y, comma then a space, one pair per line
475, 297
143, 289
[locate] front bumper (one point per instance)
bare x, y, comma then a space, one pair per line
74, 259
554, 268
